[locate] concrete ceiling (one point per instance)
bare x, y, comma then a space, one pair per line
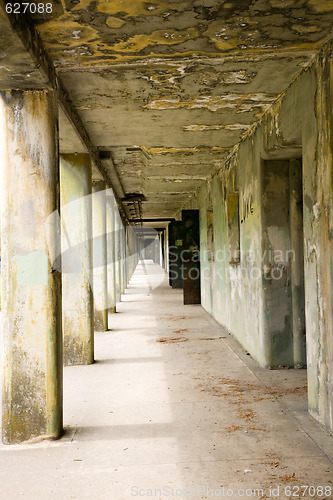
167, 89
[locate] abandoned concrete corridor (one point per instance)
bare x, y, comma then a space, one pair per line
172, 401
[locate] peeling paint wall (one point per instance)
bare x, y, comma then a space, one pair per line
299, 125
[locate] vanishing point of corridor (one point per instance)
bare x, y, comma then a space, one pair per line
173, 408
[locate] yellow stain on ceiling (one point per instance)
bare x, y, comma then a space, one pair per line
321, 5
115, 22
225, 38
316, 5
300, 28
65, 33
159, 37
286, 4
228, 38
74, 44
138, 7
218, 149
230, 44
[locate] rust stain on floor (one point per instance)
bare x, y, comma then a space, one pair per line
181, 330
171, 340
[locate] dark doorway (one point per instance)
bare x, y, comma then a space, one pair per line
283, 263
191, 257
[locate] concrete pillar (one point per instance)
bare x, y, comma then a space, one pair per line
117, 254
156, 250
111, 252
127, 255
161, 249
31, 288
100, 287
166, 246
122, 257
76, 241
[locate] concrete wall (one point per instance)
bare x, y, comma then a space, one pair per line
298, 126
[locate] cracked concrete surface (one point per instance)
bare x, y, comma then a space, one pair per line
178, 415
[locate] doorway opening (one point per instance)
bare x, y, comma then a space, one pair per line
283, 263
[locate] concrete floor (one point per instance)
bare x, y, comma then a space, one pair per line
173, 402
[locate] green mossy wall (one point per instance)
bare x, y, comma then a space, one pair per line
298, 126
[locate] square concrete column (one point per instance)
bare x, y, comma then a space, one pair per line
111, 251
122, 256
31, 287
100, 287
76, 240
117, 254
166, 247
126, 256
161, 249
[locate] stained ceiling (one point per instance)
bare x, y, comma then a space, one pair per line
166, 90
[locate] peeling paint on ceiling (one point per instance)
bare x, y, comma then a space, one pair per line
183, 82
